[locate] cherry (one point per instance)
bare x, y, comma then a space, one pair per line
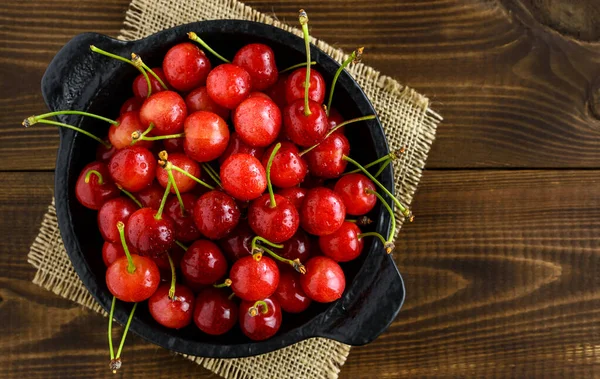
133, 168
150, 196
104, 153
305, 130
326, 159
111, 252
228, 85
295, 195
237, 244
140, 85
184, 183
277, 92
289, 293
324, 280
237, 146
174, 313
215, 313
198, 100
203, 263
216, 214
206, 136
323, 212
243, 177
260, 320
259, 61
149, 232
165, 110
257, 121
259, 94
288, 169
174, 145
185, 228
299, 246
94, 186
186, 66
120, 135
113, 211
352, 189
254, 277
294, 86
132, 104
343, 245
275, 223
335, 118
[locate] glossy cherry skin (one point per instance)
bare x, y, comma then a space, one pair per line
131, 104
299, 246
237, 146
323, 212
343, 245
228, 85
93, 194
184, 182
295, 195
120, 136
289, 293
166, 110
198, 100
215, 313
305, 130
133, 287
216, 214
111, 252
259, 94
185, 228
133, 168
243, 177
206, 136
264, 325
173, 145
326, 160
277, 91
147, 235
237, 244
186, 66
257, 121
288, 168
104, 154
324, 280
151, 196
335, 118
203, 263
140, 85
352, 189
294, 86
276, 224
173, 313
259, 61
254, 280
113, 211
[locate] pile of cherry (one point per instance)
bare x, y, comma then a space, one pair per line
183, 200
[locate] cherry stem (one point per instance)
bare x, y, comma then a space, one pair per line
94, 172
269, 164
158, 214
169, 169
121, 228
303, 18
253, 310
296, 264
212, 173
194, 37
354, 57
333, 130
173, 278
231, 296
34, 119
126, 330
382, 167
181, 245
137, 60
403, 209
50, 122
390, 211
178, 169
254, 246
110, 321
226, 283
130, 195
299, 65
136, 136
385, 159
373, 234
114, 56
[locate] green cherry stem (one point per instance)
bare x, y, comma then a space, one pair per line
173, 278
296, 264
194, 37
254, 247
354, 57
121, 228
158, 214
226, 283
212, 173
169, 169
34, 119
269, 164
130, 195
181, 245
373, 234
298, 65
341, 125
386, 159
94, 172
137, 60
110, 322
382, 167
125, 332
114, 56
55, 123
253, 310
178, 169
137, 136
389, 244
303, 18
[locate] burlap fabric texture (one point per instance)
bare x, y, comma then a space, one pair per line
408, 122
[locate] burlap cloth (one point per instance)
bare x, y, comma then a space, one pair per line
407, 121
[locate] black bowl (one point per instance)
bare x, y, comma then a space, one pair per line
81, 80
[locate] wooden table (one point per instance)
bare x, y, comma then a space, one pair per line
503, 262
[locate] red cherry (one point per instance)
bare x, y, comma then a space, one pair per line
288, 168
352, 189
335, 118
298, 247
184, 182
277, 92
140, 85
111, 252
243, 177
237, 146
276, 224
237, 244
136, 286
254, 279
323, 212
305, 130
228, 85
294, 86
295, 195
206, 136
257, 121
289, 293
166, 110
216, 214
93, 194
148, 235
259, 94
173, 313
198, 100
324, 280
151, 196
104, 154
133, 168
132, 104
120, 136
186, 66
185, 228
215, 313
259, 61
262, 326
326, 160
113, 211
203, 263
173, 145
343, 245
